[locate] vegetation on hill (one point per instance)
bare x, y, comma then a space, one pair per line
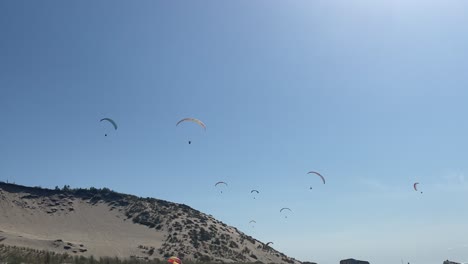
22, 255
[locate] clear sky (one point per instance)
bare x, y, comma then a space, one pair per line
372, 94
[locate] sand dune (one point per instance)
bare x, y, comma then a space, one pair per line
109, 224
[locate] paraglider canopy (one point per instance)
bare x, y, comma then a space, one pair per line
174, 260
198, 121
220, 182
110, 121
318, 174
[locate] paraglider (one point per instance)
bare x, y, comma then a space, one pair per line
285, 208
221, 183
174, 260
190, 119
415, 186
252, 222
267, 245
318, 174
254, 191
110, 121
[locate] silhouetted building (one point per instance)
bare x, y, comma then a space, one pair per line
450, 262
353, 261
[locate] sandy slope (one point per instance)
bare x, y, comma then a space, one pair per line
63, 222
102, 231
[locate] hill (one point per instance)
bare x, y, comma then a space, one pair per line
104, 223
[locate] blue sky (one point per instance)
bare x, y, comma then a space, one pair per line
372, 94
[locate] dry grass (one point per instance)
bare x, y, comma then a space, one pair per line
22, 255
